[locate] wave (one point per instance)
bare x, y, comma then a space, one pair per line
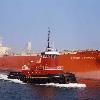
70, 85
4, 77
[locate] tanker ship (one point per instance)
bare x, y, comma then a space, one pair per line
83, 63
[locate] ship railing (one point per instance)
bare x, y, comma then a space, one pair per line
25, 67
53, 68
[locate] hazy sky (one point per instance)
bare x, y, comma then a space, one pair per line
74, 24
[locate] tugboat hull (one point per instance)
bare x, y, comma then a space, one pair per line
43, 79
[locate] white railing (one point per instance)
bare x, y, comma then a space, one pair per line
54, 68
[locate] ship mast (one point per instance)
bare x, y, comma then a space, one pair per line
48, 41
49, 51
48, 38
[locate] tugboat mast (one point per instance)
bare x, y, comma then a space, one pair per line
48, 38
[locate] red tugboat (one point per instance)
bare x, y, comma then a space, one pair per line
46, 70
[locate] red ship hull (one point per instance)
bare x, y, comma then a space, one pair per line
83, 64
15, 63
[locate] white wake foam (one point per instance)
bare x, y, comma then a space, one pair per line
4, 77
70, 85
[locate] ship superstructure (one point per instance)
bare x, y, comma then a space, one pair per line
3, 49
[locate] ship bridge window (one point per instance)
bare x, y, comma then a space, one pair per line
52, 56
49, 56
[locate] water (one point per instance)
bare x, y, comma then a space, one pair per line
17, 90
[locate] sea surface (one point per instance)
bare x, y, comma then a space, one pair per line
17, 90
